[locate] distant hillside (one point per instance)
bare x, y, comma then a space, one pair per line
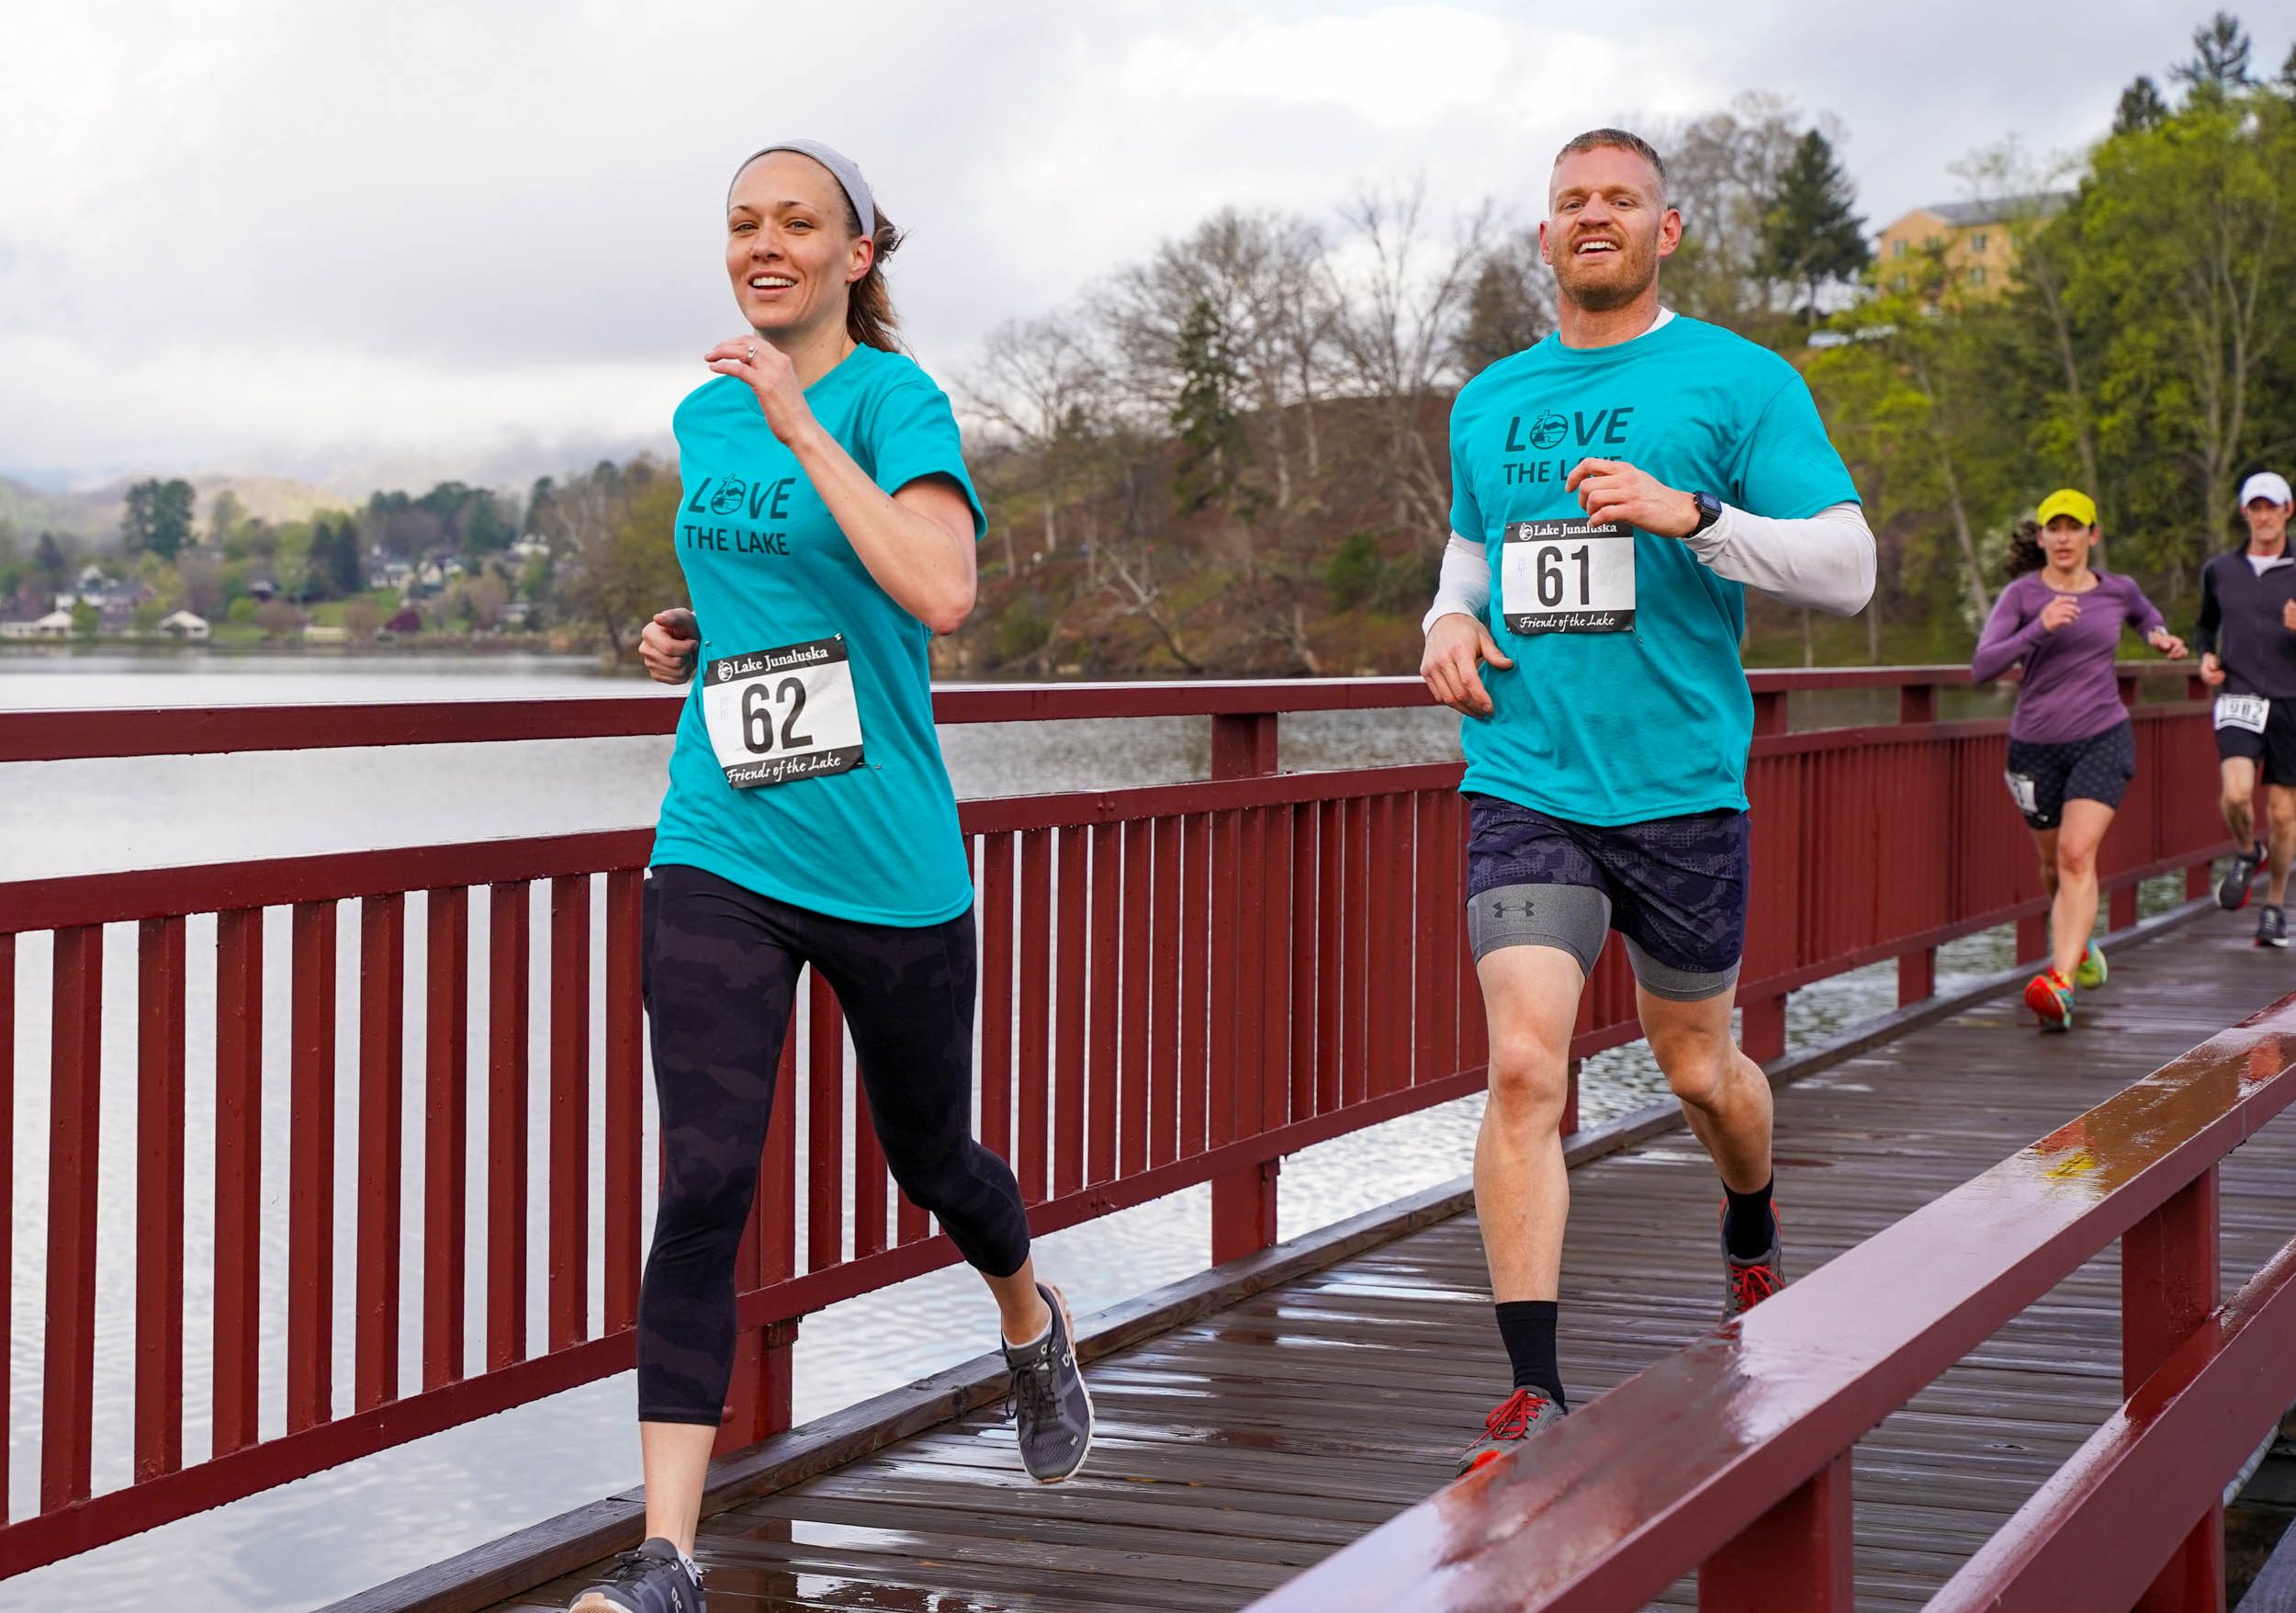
92, 512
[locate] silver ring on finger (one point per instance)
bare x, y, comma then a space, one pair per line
753, 353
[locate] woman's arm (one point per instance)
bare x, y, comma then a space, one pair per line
2150, 625
2008, 635
917, 543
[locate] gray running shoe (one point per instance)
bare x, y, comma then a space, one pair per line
2271, 926
652, 1579
1512, 1421
2232, 891
1050, 1409
1745, 1283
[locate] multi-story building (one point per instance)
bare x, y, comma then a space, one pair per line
1979, 240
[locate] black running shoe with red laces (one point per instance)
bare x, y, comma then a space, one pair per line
1745, 1283
1512, 1421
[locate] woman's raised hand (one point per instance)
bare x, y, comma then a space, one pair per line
767, 372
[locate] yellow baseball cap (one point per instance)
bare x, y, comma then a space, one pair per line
2070, 501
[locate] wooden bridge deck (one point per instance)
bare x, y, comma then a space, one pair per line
1237, 1449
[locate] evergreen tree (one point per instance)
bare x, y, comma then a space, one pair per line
1809, 235
1507, 311
157, 517
2141, 107
2288, 73
335, 569
1212, 449
2220, 59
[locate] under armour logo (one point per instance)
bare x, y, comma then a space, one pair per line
1499, 910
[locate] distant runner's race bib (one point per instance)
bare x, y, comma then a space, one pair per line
2243, 711
778, 714
2020, 789
1567, 577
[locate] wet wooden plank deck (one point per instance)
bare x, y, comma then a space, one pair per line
1237, 1450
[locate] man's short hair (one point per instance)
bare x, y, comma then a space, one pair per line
1617, 140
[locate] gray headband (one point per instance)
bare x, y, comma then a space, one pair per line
838, 164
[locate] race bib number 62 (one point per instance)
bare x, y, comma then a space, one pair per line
1567, 577
777, 714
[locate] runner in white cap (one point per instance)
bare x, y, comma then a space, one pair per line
2246, 640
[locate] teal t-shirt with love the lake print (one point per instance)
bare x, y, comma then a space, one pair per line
1628, 701
806, 768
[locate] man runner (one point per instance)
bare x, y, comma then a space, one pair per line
1614, 489
2247, 638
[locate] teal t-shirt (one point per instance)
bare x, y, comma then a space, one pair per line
813, 686
1651, 721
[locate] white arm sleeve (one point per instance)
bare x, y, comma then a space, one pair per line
1464, 587
1824, 562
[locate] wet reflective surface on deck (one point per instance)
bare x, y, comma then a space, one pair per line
1236, 1450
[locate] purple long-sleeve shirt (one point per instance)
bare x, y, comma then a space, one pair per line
2070, 691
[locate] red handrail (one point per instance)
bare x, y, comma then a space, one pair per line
1245, 967
1732, 1455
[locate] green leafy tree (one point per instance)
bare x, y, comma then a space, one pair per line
85, 621
1810, 236
225, 515
157, 517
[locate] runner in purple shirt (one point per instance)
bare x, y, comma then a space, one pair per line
2071, 753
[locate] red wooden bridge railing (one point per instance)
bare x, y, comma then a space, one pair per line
1732, 1455
1180, 985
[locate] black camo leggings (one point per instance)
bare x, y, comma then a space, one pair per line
720, 977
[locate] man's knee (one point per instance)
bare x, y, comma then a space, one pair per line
1529, 1075
2282, 808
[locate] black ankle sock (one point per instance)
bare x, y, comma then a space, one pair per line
1527, 1328
1747, 1225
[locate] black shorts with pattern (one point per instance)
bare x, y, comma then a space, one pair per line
2042, 778
1677, 886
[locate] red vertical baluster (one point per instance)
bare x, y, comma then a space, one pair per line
159, 1197
824, 1151
1103, 1001
1070, 938
75, 1092
1331, 951
1916, 975
1196, 927
569, 1111
1800, 1555
777, 1182
2169, 1286
1383, 1077
1164, 996
446, 1131
1474, 1025
510, 952
1276, 1015
1225, 844
1036, 993
1137, 941
1355, 908
1428, 933
382, 1096
238, 1174
1448, 871
1306, 946
626, 1080
311, 1169
7, 1197
869, 1179
996, 1008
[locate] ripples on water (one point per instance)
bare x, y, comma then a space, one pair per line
340, 1531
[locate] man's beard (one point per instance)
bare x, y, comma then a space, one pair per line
1603, 296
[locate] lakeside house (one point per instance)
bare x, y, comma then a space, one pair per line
184, 625
56, 623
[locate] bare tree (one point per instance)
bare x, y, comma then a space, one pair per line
1043, 381
1403, 295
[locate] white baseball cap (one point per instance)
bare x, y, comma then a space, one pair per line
2265, 484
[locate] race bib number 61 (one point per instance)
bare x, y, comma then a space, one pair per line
1567, 577
777, 714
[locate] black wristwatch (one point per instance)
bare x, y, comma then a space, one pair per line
1709, 511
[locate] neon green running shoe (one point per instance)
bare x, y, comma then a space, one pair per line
2092, 973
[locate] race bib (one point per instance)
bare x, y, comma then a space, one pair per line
1567, 577
2020, 788
782, 714
2243, 711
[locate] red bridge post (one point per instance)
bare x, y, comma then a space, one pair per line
1797, 1556
1244, 1200
2170, 1285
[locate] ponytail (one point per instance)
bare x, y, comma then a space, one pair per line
869, 317
2024, 548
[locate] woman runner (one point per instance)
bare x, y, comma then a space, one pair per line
827, 531
2071, 753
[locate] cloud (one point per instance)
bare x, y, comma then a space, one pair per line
257, 232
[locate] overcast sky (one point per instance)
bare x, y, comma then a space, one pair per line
273, 236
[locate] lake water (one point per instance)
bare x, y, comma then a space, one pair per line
325, 1537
